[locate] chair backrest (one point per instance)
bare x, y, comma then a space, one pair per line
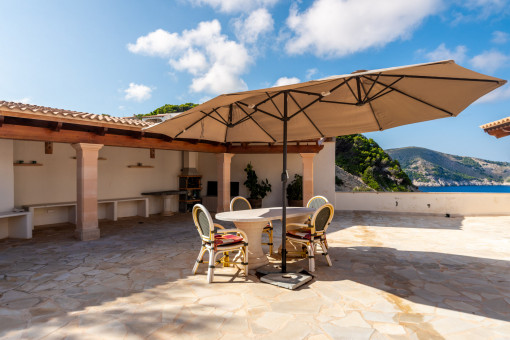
239, 203
203, 221
316, 202
322, 217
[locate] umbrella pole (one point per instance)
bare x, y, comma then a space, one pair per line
284, 187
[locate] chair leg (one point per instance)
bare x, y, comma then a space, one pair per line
199, 260
311, 259
271, 241
245, 259
325, 251
210, 270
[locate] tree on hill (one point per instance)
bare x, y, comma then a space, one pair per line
168, 108
363, 157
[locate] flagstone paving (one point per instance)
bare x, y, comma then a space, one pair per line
394, 276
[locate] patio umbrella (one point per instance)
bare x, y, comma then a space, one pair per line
362, 101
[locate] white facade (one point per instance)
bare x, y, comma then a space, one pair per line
55, 180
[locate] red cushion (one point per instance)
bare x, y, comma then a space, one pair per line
221, 240
303, 233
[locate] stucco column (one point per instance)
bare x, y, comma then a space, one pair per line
86, 180
307, 159
223, 166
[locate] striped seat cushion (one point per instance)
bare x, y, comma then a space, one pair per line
221, 240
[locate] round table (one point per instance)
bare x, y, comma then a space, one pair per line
253, 221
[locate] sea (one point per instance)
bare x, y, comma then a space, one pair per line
468, 188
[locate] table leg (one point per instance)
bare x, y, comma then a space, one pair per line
256, 256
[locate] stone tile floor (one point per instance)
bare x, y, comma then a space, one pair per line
393, 277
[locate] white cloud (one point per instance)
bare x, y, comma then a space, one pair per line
24, 100
335, 28
235, 6
484, 8
192, 61
489, 61
137, 92
499, 37
311, 72
286, 81
444, 53
215, 62
501, 93
257, 23
157, 43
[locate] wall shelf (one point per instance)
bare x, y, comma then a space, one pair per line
140, 166
27, 164
98, 158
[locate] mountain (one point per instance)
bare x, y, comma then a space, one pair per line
432, 168
372, 168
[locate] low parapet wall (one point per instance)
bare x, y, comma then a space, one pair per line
463, 204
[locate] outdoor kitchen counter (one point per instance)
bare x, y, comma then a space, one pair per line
253, 221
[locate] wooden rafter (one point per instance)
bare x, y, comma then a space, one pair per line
147, 141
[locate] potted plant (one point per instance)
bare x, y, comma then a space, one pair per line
257, 190
295, 191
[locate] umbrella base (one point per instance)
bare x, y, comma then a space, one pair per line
290, 281
295, 278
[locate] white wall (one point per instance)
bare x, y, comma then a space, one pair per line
463, 204
6, 175
6, 183
270, 166
55, 181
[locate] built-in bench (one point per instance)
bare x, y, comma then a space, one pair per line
111, 208
15, 224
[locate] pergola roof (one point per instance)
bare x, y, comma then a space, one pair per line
499, 128
20, 121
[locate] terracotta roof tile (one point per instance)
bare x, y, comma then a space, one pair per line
49, 111
496, 124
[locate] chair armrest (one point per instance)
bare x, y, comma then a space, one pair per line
237, 231
216, 225
301, 225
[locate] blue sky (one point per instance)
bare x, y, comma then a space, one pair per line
123, 57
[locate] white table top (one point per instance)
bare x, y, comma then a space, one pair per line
262, 214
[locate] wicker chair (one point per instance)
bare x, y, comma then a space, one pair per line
316, 202
313, 234
218, 240
241, 203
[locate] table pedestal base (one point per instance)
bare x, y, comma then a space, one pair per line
256, 256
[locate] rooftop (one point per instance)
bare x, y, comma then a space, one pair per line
42, 112
394, 276
499, 128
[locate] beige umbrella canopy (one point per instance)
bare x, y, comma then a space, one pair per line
363, 101
339, 105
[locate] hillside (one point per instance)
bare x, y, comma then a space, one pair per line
432, 168
372, 168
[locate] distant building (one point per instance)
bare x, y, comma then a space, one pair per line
159, 118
